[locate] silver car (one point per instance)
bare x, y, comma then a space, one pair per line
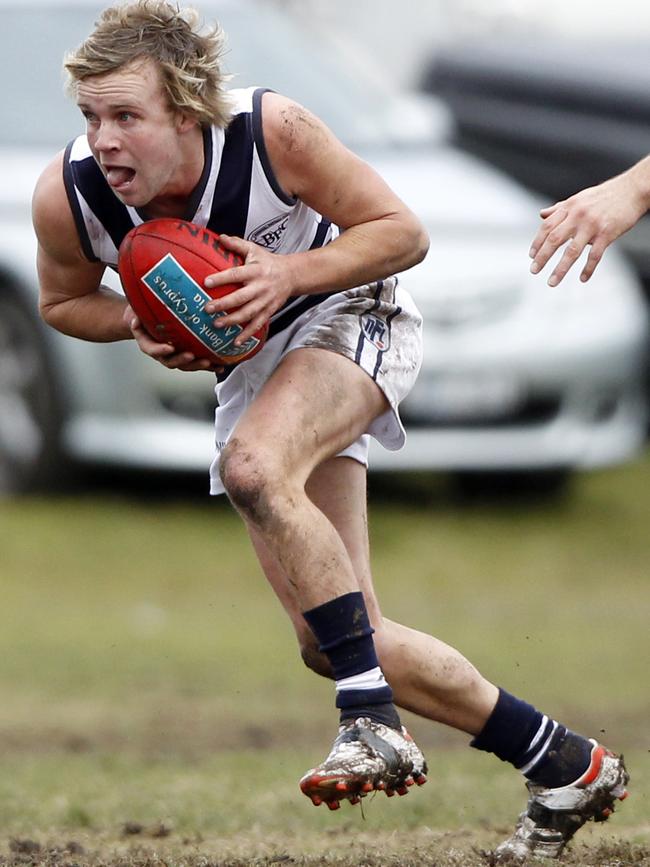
516, 376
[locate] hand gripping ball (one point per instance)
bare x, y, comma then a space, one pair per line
162, 265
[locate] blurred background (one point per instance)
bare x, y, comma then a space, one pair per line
513, 524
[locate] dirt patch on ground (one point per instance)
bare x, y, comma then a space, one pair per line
154, 847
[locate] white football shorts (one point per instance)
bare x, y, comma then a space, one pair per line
377, 326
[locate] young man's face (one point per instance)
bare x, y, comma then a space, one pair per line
135, 138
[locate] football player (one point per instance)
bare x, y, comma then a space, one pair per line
321, 236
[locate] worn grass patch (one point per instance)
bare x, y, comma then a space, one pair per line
346, 847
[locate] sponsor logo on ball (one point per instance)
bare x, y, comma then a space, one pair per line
181, 294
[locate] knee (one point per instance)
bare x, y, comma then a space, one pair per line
245, 475
314, 659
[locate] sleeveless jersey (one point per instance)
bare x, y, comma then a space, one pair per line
237, 194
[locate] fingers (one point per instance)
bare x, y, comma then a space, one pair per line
595, 255
147, 344
551, 235
560, 228
263, 282
236, 245
594, 217
187, 362
237, 274
231, 301
230, 276
249, 318
248, 307
237, 308
166, 354
549, 209
572, 253
253, 326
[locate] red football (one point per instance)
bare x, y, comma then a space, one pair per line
163, 264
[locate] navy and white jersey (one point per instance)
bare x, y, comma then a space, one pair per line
237, 194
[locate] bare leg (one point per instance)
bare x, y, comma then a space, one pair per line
307, 518
314, 404
427, 676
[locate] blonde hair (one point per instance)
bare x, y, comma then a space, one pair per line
189, 58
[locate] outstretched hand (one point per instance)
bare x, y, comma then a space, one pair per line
593, 217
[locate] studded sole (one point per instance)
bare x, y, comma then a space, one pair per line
331, 791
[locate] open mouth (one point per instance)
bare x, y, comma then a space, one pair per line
119, 177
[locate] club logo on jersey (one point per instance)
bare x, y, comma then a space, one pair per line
375, 331
270, 234
170, 283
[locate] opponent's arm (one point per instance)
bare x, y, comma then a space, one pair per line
380, 234
595, 216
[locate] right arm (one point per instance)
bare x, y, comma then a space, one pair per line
73, 298
593, 217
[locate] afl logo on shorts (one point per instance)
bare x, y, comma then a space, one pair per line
270, 234
375, 331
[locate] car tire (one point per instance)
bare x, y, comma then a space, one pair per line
31, 405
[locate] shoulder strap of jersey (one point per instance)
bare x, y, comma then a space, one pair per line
75, 207
260, 144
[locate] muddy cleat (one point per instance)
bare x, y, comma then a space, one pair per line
366, 756
554, 815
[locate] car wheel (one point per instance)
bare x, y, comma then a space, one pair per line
31, 410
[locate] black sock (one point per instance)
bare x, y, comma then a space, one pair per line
544, 751
344, 635
568, 756
383, 713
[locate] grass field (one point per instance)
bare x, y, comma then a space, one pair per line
153, 708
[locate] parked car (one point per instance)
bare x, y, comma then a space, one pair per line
516, 376
578, 115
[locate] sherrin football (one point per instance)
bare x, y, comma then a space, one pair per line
162, 265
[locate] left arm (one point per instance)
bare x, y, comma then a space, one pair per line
379, 237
